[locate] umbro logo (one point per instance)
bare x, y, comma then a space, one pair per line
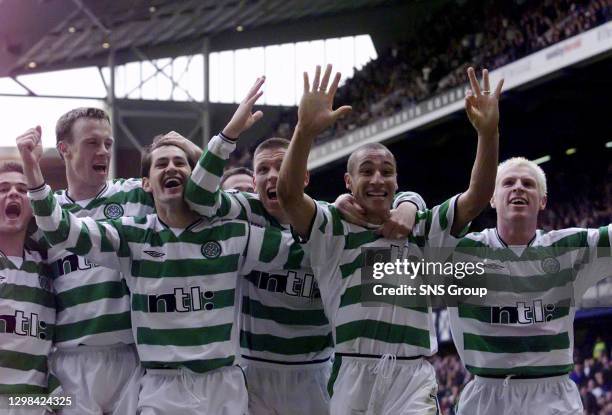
2, 278
154, 254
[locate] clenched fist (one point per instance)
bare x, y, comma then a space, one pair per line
30, 147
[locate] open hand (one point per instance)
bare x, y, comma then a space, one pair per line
315, 113
244, 117
481, 106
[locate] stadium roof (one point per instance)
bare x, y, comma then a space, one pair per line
48, 34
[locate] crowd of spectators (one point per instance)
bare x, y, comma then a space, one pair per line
592, 374
404, 74
578, 198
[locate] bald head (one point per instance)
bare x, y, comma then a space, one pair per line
363, 151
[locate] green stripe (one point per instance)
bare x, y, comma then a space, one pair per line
220, 299
172, 268
323, 224
213, 164
193, 336
355, 239
442, 214
199, 195
604, 237
337, 226
353, 295
280, 345
282, 315
483, 313
521, 370
198, 366
30, 267
270, 245
22, 389
27, 294
96, 325
23, 361
136, 195
89, 293
530, 254
380, 330
514, 344
105, 245
348, 269
53, 383
424, 216
219, 233
295, 258
43, 207
256, 206
531, 283
334, 374
226, 206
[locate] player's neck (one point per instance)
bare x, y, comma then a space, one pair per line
176, 214
11, 244
517, 232
81, 190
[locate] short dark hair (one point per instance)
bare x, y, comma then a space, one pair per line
11, 166
350, 164
147, 158
63, 128
271, 144
234, 172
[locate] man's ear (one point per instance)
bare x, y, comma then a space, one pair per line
492, 201
146, 185
543, 202
306, 178
62, 149
348, 182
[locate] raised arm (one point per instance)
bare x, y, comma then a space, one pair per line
203, 192
315, 114
100, 242
482, 109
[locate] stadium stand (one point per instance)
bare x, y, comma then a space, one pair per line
404, 74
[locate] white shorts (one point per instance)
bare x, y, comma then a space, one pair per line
99, 379
182, 392
287, 389
383, 386
556, 395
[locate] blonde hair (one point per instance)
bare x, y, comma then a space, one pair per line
539, 174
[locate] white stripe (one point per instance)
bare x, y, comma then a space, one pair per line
16, 377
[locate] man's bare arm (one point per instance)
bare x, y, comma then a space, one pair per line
315, 114
482, 108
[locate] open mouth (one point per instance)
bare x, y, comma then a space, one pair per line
376, 194
519, 201
172, 182
100, 168
271, 193
12, 210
